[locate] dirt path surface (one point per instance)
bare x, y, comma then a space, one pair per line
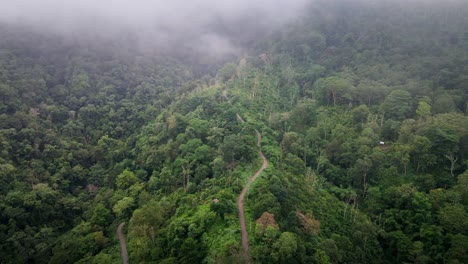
123, 246
240, 201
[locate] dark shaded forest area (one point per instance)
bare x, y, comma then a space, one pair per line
363, 113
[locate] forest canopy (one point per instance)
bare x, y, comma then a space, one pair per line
361, 108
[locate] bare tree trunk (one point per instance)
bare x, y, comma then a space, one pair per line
453, 159
320, 152
152, 234
364, 184
348, 199
186, 174
355, 209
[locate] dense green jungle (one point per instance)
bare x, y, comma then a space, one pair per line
361, 106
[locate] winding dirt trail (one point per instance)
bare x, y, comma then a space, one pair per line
123, 246
240, 200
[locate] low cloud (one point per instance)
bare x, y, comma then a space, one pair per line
215, 26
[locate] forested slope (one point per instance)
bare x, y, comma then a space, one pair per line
362, 110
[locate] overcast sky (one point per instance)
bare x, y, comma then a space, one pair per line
173, 14
176, 14
155, 20
203, 24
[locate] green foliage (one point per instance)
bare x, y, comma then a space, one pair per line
285, 248
94, 135
397, 104
334, 90
227, 72
101, 216
126, 179
424, 109
124, 206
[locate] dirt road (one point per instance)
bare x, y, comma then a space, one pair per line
123, 246
240, 201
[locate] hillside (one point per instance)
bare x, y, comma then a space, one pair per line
350, 123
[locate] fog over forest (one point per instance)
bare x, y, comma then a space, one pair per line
205, 24
198, 26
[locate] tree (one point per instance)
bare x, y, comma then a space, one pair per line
265, 221
235, 148
197, 128
361, 169
399, 245
454, 219
390, 130
308, 78
462, 186
360, 114
285, 248
334, 89
458, 251
123, 206
320, 257
424, 110
309, 223
370, 92
445, 143
397, 104
315, 144
80, 84
443, 103
227, 72
223, 204
142, 230
126, 179
101, 216
421, 153
292, 143
7, 177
